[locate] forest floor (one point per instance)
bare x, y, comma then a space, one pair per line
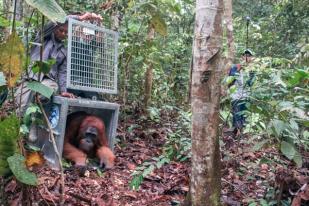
249, 174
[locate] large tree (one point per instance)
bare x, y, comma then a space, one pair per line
205, 90
228, 18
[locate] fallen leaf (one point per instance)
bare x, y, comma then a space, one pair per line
131, 166
34, 159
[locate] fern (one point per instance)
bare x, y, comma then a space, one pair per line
9, 134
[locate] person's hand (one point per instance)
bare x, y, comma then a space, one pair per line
91, 16
97, 17
85, 16
67, 94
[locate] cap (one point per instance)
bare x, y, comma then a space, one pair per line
248, 52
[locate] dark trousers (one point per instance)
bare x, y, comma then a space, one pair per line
238, 109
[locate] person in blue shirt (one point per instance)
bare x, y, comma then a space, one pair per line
242, 82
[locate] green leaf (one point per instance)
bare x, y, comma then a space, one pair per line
278, 81
294, 125
159, 24
4, 22
40, 88
230, 79
285, 105
50, 9
43, 66
19, 169
24, 129
232, 89
253, 204
33, 109
298, 159
33, 148
298, 76
278, 126
288, 150
136, 182
148, 170
304, 122
9, 128
162, 161
263, 202
259, 145
306, 134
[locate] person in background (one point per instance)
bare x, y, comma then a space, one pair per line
242, 82
54, 47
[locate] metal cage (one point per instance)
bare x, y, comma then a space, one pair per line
92, 58
106, 111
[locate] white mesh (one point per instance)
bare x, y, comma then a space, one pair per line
92, 58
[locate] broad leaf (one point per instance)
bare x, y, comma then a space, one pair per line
259, 145
288, 150
298, 159
285, 105
278, 126
298, 76
159, 24
11, 59
27, 119
43, 66
40, 88
18, 167
50, 9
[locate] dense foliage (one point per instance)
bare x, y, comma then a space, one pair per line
278, 35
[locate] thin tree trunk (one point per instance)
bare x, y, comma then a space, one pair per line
19, 9
149, 73
126, 80
206, 75
228, 12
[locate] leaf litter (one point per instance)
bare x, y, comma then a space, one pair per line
248, 176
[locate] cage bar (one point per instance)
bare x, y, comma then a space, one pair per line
92, 58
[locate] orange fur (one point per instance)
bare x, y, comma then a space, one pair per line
77, 123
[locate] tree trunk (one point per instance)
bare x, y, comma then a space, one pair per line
126, 80
206, 76
149, 73
19, 9
228, 11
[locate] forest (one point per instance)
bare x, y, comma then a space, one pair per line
154, 102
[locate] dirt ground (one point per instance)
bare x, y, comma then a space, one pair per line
248, 174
